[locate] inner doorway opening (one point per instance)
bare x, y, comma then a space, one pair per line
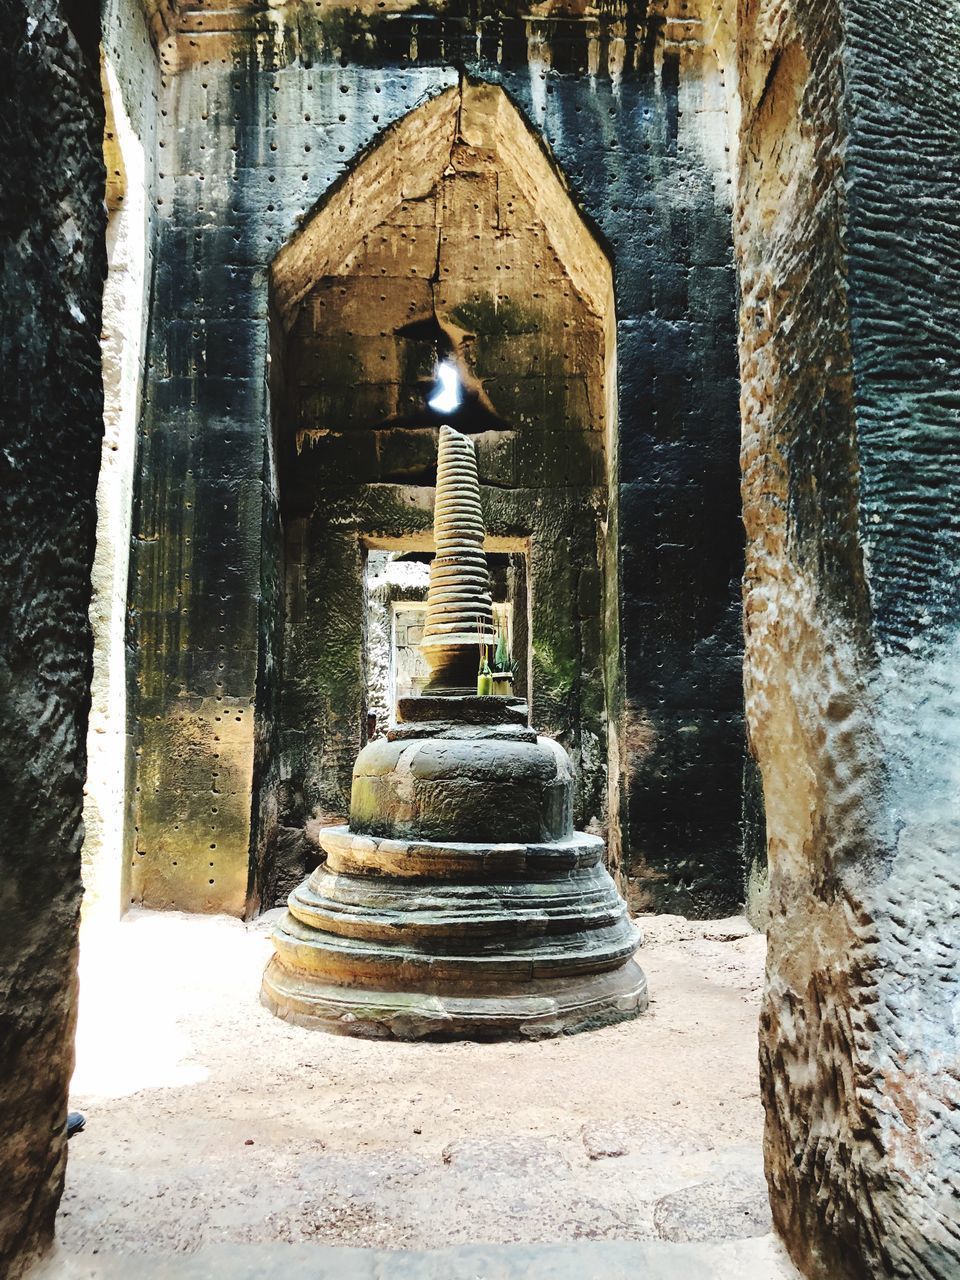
395, 588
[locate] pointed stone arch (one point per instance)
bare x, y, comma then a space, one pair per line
410, 158
455, 234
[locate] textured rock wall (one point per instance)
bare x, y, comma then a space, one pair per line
679, 519
259, 124
844, 214
51, 275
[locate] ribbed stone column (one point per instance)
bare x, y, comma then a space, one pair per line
459, 609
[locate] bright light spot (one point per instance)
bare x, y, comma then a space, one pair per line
448, 393
152, 988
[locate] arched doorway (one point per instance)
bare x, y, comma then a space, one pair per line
454, 239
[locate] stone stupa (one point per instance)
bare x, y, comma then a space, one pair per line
458, 902
459, 607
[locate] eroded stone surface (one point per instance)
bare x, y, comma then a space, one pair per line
51, 406
733, 1207
849, 117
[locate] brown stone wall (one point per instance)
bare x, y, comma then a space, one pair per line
846, 694
51, 276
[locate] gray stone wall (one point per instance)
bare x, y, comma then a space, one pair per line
257, 128
51, 276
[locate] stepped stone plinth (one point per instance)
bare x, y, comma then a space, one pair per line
458, 902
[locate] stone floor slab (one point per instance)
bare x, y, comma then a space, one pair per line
761, 1258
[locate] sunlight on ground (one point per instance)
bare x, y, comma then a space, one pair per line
211, 1122
132, 1031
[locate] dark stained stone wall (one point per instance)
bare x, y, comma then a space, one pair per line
903, 87
52, 261
251, 140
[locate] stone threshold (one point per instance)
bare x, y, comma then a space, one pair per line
760, 1258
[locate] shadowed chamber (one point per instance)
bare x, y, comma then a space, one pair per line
450, 276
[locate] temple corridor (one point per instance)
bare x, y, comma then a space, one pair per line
209, 1122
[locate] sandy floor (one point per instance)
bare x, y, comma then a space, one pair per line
208, 1120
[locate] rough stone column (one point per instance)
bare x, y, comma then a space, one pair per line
847, 225
51, 405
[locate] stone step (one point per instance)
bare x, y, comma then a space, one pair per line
761, 1258
518, 1010
439, 959
457, 861
444, 916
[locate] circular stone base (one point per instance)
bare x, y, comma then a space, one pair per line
523, 1011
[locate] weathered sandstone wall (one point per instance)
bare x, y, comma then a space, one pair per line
51, 277
847, 208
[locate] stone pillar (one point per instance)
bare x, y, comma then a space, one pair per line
51, 420
847, 224
459, 609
